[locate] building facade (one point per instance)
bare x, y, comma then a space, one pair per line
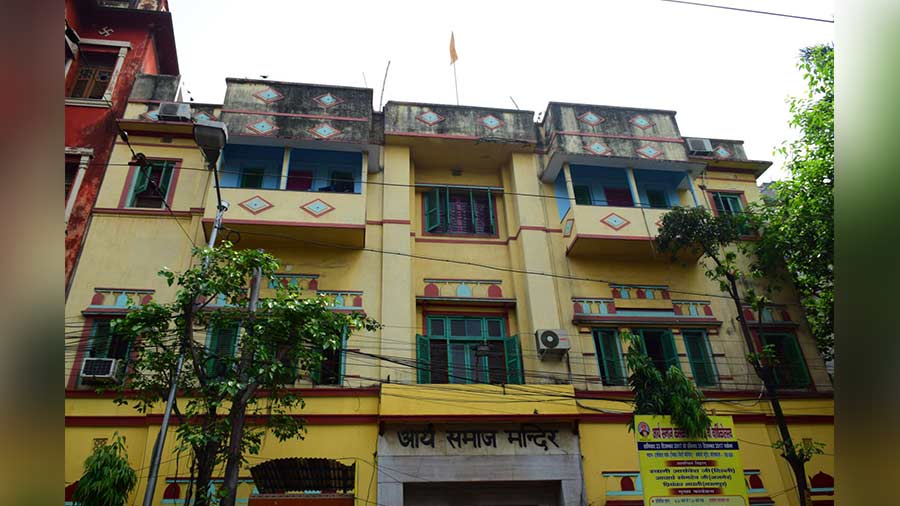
108, 42
504, 258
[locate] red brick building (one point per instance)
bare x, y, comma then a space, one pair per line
108, 42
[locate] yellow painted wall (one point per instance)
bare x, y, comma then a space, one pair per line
124, 250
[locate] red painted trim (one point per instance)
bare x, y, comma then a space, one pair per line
619, 136
647, 320
439, 136
465, 301
128, 179
303, 392
294, 115
161, 145
460, 241
288, 223
710, 168
136, 290
141, 212
104, 311
198, 210
143, 421
483, 418
748, 181
389, 222
624, 502
604, 236
539, 228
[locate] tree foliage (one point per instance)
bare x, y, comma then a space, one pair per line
108, 479
670, 394
286, 334
718, 240
797, 225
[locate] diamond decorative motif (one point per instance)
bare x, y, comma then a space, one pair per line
324, 131
268, 95
151, 115
328, 100
317, 207
591, 119
648, 151
598, 148
430, 118
256, 204
491, 122
615, 222
262, 127
641, 122
722, 152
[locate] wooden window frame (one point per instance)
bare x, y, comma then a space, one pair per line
443, 196
704, 336
120, 48
127, 195
602, 359
510, 344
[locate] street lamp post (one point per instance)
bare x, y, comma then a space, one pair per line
211, 137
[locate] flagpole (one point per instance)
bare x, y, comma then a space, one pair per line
455, 84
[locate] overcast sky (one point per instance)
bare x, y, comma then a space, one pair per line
727, 73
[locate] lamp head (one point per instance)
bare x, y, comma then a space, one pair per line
211, 137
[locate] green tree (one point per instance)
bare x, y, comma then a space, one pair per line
717, 240
247, 375
670, 394
108, 479
797, 225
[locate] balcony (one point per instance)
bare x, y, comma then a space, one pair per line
284, 217
617, 212
280, 195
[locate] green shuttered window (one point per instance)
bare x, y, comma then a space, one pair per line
222, 342
609, 355
450, 210
461, 349
150, 186
700, 357
660, 346
791, 369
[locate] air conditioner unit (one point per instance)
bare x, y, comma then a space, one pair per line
100, 370
699, 146
551, 342
174, 111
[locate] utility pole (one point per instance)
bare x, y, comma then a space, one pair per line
153, 477
211, 137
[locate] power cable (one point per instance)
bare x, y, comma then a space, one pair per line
698, 4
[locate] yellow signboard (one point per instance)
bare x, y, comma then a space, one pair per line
677, 471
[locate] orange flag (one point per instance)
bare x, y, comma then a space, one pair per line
453, 56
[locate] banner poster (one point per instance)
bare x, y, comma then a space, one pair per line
676, 470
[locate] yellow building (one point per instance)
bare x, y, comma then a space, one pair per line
467, 232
